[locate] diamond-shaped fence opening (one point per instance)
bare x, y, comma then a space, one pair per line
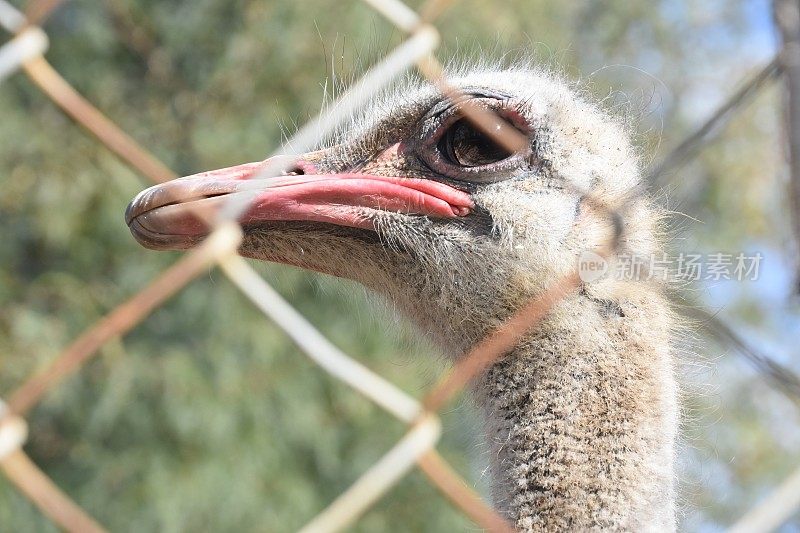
25, 51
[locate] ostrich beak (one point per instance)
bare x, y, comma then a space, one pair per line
171, 215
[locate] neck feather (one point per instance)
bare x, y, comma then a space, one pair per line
581, 420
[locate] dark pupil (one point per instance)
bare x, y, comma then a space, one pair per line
467, 147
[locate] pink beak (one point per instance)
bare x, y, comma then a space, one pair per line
166, 216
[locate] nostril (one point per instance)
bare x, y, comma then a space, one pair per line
303, 167
296, 169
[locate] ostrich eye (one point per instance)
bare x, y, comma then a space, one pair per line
465, 146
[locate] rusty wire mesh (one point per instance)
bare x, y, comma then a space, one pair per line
418, 447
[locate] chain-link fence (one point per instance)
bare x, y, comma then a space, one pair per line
418, 447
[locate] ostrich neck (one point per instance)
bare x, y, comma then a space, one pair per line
581, 421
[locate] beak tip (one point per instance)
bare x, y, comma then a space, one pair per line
157, 241
129, 213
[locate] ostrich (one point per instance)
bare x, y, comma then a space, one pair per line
416, 204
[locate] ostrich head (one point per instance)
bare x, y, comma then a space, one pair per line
414, 202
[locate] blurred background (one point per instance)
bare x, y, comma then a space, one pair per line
205, 417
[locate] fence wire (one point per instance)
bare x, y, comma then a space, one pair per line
418, 447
